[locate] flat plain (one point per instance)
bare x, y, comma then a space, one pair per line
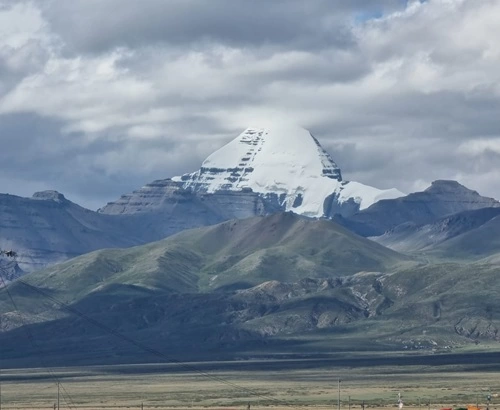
262, 384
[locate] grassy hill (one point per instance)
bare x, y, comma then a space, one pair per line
234, 254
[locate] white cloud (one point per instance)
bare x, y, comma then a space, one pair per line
19, 24
480, 146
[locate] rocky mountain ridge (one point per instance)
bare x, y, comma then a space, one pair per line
47, 229
442, 199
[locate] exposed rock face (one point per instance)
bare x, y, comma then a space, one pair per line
167, 196
50, 195
149, 198
450, 197
10, 270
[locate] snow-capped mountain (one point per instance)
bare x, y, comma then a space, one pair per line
286, 161
284, 166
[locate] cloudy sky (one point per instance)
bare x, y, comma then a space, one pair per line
99, 97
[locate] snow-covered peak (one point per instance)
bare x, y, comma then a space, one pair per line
285, 161
282, 153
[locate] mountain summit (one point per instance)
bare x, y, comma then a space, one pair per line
285, 162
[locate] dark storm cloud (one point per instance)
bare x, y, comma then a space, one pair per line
94, 25
48, 156
79, 169
444, 115
448, 115
44, 145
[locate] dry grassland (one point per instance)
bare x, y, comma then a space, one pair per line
161, 387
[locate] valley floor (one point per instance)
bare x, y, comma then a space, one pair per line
223, 385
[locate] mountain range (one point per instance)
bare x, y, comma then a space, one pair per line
260, 172
264, 249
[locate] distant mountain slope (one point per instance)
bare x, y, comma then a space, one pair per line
409, 237
478, 243
441, 199
48, 228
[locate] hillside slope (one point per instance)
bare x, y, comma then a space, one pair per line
234, 254
475, 244
409, 237
413, 309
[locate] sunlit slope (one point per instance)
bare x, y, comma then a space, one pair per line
234, 254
